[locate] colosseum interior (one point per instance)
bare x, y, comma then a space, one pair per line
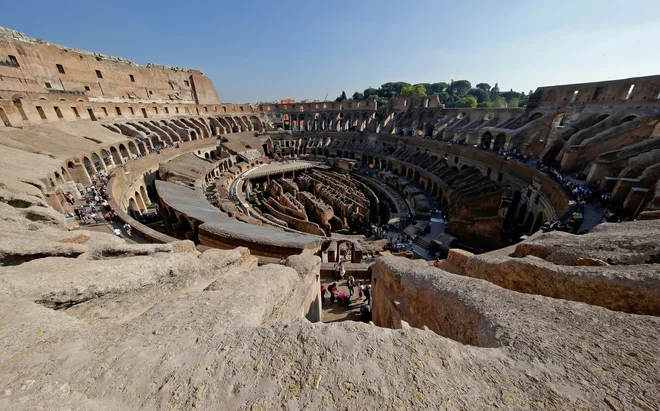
485, 291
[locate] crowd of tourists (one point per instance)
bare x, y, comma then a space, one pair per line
95, 207
582, 194
333, 295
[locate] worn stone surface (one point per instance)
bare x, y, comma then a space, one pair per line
168, 357
571, 267
617, 244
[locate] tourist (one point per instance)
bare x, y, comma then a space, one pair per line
365, 314
282, 261
333, 292
117, 232
361, 289
342, 271
351, 285
337, 271
323, 294
367, 294
127, 228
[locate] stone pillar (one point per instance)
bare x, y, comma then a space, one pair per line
568, 161
332, 252
597, 172
622, 188
635, 201
79, 174
356, 257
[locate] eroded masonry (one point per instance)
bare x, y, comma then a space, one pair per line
163, 249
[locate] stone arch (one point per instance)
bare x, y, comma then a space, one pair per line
140, 201
247, 122
223, 122
324, 122
536, 116
65, 174
486, 139
123, 151
142, 147
98, 163
133, 207
499, 142
628, 118
238, 121
132, 148
89, 166
258, 125
560, 120
107, 159
552, 152
214, 125
193, 135
601, 118
58, 177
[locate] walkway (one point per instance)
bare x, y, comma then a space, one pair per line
335, 312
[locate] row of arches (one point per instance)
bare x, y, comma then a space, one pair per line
138, 202
174, 130
329, 121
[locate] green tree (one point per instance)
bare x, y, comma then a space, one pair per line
418, 90
370, 92
437, 88
483, 86
459, 88
512, 102
498, 102
427, 88
508, 95
479, 94
342, 97
389, 90
445, 98
466, 102
358, 96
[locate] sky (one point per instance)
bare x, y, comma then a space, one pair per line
270, 50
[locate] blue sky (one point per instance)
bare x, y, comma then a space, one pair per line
266, 50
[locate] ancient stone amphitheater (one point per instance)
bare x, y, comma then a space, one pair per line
193, 310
